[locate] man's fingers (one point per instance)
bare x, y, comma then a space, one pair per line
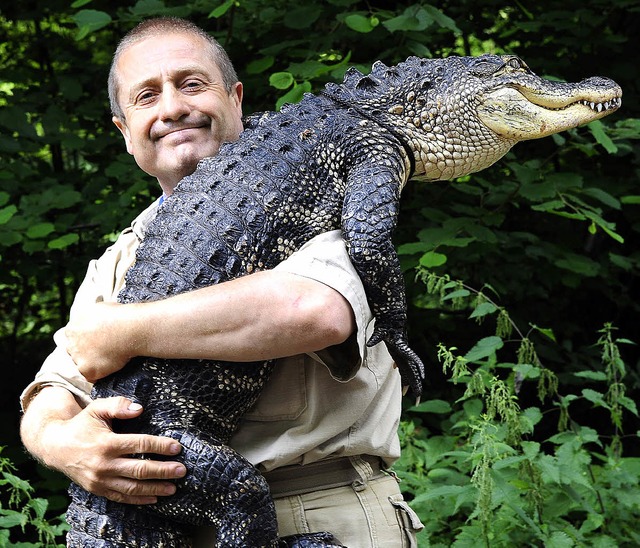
116, 496
149, 469
144, 444
139, 492
117, 407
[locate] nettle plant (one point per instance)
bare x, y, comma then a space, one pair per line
477, 471
25, 520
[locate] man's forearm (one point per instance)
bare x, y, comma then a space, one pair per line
268, 315
51, 406
263, 316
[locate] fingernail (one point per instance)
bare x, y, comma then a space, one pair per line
134, 406
179, 471
175, 448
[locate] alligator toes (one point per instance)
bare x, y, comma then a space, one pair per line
310, 540
409, 364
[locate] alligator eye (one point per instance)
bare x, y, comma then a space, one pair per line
514, 63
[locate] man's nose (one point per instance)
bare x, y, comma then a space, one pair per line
173, 104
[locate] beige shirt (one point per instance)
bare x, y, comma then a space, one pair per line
306, 413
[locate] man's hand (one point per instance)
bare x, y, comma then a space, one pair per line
96, 341
85, 449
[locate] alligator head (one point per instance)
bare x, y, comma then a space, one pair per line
459, 115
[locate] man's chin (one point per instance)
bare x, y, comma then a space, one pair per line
185, 158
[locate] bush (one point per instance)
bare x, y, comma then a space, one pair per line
24, 515
479, 466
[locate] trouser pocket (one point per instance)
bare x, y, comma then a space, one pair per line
408, 521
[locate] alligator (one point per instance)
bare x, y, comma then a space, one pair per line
336, 160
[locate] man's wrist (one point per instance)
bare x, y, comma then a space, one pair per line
47, 411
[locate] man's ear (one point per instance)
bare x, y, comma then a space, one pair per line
237, 93
122, 126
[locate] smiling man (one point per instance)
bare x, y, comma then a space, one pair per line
176, 106
175, 97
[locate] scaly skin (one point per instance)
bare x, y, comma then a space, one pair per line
338, 160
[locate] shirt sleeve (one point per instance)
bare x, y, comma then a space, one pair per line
102, 282
325, 259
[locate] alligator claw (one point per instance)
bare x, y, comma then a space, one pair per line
409, 364
310, 540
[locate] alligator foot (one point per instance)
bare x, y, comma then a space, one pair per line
409, 364
97, 522
310, 540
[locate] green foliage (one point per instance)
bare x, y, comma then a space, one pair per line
529, 438
484, 468
21, 512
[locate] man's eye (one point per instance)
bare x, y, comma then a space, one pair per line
192, 85
145, 97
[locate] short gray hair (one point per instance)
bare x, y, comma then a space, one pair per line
162, 26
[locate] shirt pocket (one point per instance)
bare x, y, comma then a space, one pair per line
284, 397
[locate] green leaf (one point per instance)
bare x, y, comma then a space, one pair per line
11, 518
281, 80
602, 196
595, 397
414, 18
623, 262
484, 348
261, 64
432, 259
89, 21
579, 264
413, 248
295, 94
65, 198
4, 197
559, 539
547, 332
526, 370
6, 213
221, 9
483, 309
302, 18
40, 230
592, 375
16, 482
63, 241
597, 130
10, 238
630, 199
39, 506
80, 3
628, 404
441, 19
359, 23
149, 8
458, 294
432, 406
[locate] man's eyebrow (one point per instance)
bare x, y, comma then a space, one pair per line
188, 70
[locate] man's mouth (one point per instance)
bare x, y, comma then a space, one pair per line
179, 128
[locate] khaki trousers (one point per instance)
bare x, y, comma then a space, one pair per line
369, 515
369, 512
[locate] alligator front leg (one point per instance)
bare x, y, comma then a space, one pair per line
369, 217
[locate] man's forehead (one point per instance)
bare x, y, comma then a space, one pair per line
167, 56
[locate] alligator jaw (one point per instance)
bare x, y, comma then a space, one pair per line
523, 112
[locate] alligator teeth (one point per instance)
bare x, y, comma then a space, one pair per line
613, 103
